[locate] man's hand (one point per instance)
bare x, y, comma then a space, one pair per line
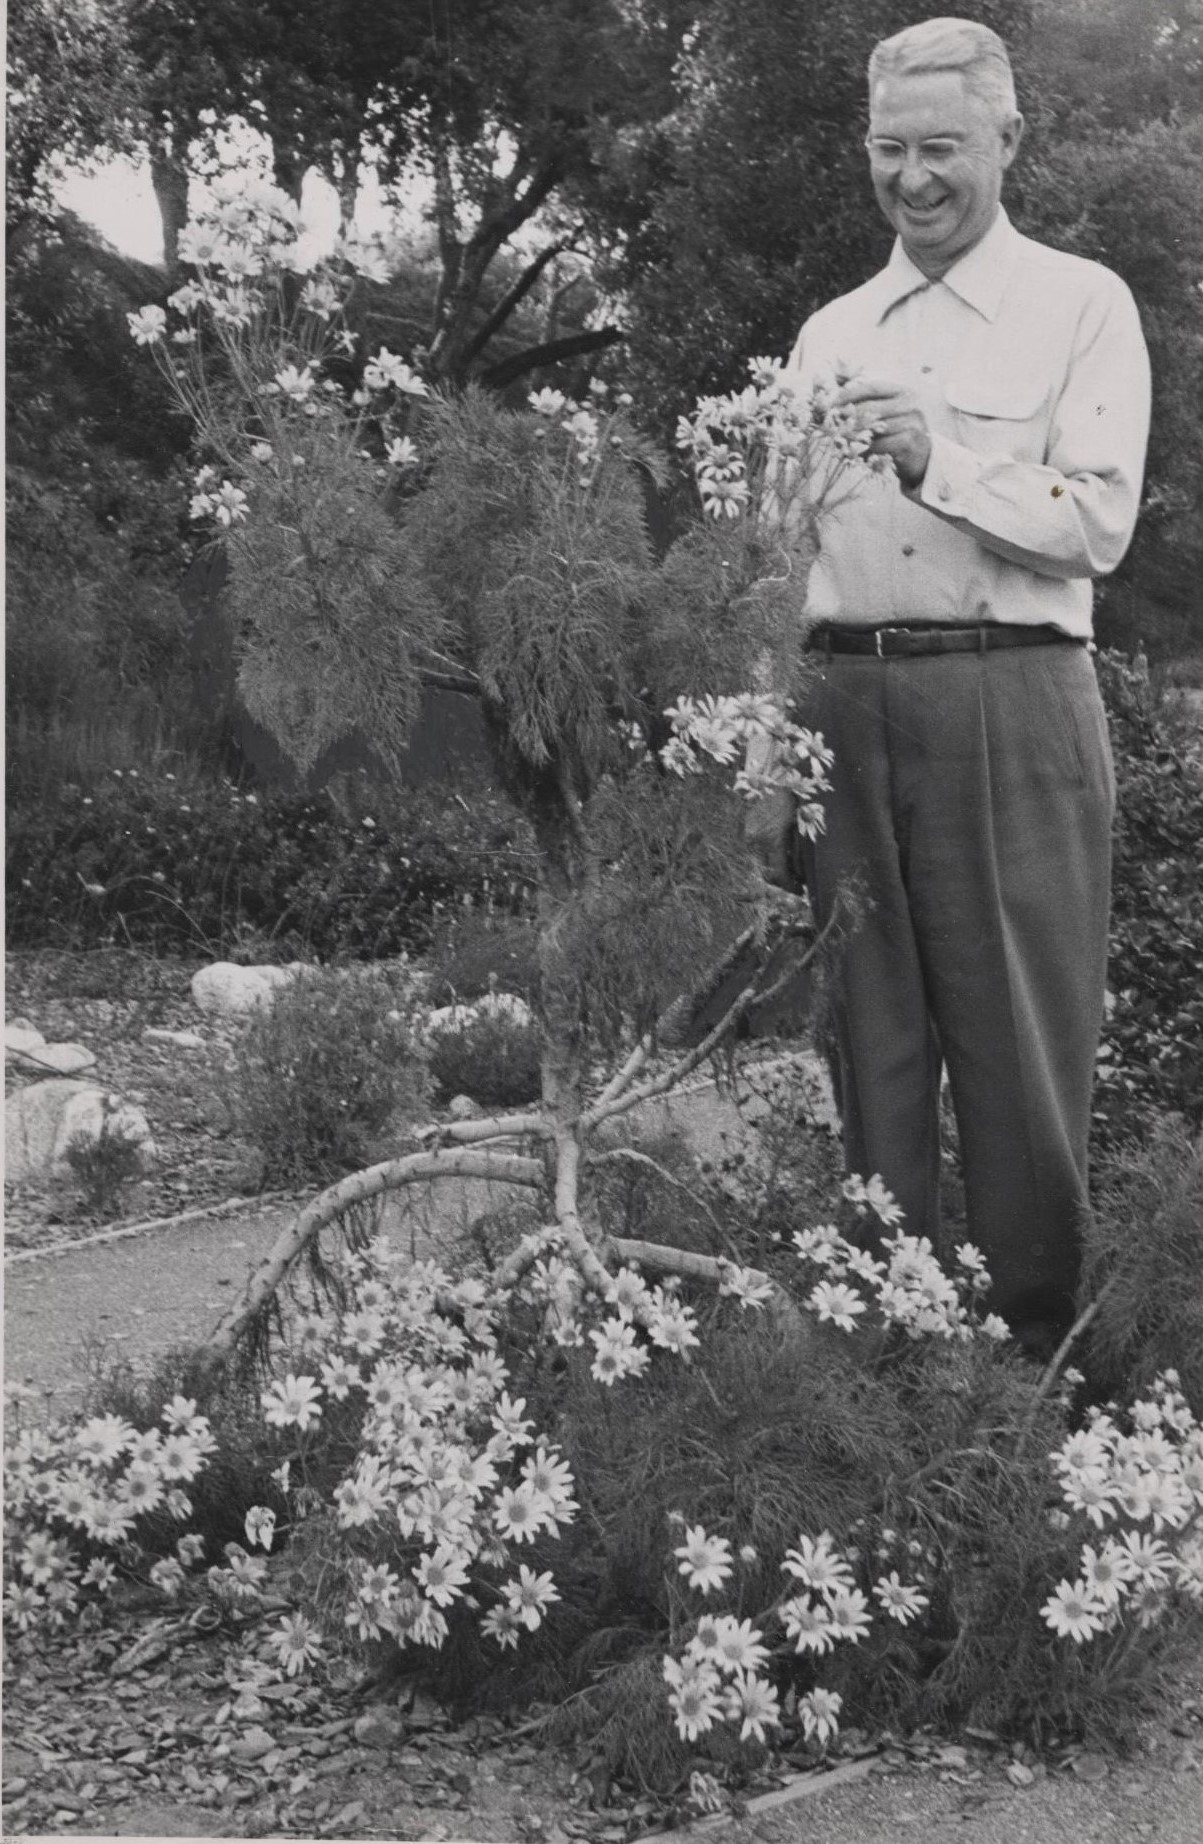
899, 427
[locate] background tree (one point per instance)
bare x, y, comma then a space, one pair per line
503, 109
748, 204
72, 88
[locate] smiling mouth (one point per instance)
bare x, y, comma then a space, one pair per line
924, 210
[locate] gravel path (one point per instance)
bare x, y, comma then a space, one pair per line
135, 1297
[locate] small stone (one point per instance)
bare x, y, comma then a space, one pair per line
183, 1040
380, 1728
253, 1745
462, 1107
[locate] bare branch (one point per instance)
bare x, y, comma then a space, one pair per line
631, 1156
750, 996
511, 299
689, 1265
358, 1188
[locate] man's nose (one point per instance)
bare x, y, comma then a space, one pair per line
914, 172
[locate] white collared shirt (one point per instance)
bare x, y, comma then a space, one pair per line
1031, 369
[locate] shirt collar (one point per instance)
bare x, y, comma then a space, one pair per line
978, 278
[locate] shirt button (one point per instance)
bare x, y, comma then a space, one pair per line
943, 491
908, 550
926, 370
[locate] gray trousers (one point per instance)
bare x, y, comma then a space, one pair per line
973, 795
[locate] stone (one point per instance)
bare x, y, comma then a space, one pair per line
183, 1040
41, 1121
380, 1728
225, 991
462, 1107
53, 1059
20, 1035
253, 1745
505, 1006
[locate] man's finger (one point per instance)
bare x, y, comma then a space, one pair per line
865, 390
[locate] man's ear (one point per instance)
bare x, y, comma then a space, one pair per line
1012, 135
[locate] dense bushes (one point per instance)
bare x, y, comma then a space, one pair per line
171, 865
1152, 1056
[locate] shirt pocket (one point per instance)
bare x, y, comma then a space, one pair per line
996, 412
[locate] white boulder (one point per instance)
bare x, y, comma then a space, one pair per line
507, 1006
52, 1059
41, 1121
226, 991
20, 1036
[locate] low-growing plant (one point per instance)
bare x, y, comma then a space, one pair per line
102, 1166
1144, 1266
487, 1053
315, 1077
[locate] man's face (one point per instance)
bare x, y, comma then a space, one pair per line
937, 155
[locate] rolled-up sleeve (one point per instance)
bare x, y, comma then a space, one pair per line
1071, 514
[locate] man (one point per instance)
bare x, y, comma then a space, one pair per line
973, 790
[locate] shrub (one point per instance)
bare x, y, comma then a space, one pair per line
491, 1056
316, 1076
1152, 1054
198, 865
477, 951
1144, 1266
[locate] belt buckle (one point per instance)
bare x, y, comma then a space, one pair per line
878, 632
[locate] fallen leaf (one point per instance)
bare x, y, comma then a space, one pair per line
1018, 1774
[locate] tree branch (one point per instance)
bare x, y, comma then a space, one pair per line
391, 1175
511, 299
553, 353
750, 996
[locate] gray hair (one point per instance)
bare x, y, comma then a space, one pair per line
950, 44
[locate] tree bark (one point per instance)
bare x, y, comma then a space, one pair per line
169, 178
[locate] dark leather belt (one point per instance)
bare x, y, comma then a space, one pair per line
908, 642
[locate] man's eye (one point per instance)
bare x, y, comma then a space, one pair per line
937, 150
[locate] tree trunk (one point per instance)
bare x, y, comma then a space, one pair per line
170, 180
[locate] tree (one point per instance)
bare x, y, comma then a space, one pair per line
1134, 200
1119, 62
748, 204
71, 89
504, 108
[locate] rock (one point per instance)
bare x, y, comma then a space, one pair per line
52, 1059
380, 1728
506, 1006
226, 991
183, 1040
20, 1035
253, 1745
41, 1121
462, 1107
